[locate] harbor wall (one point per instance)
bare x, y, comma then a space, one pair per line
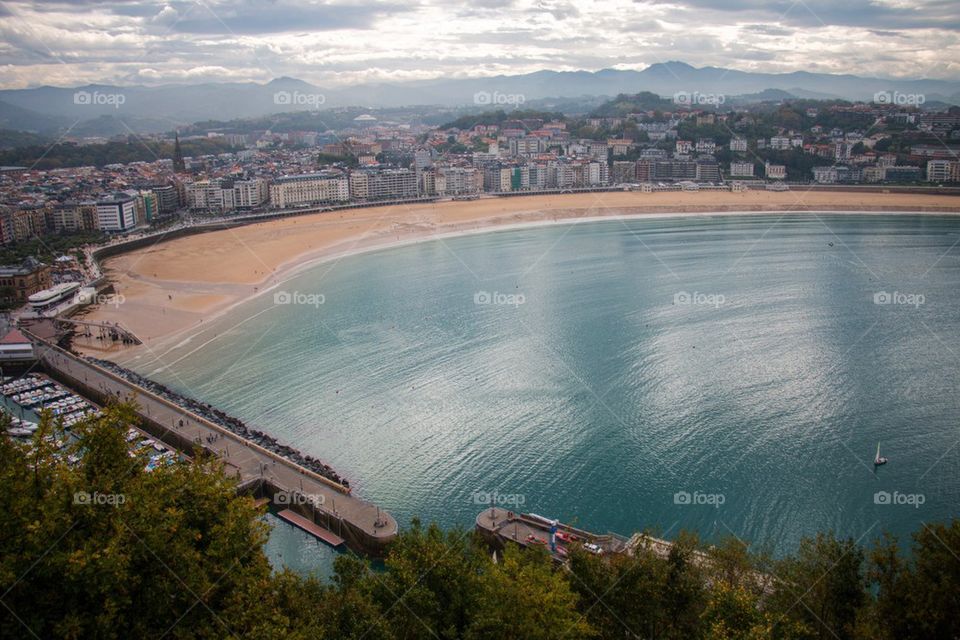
327, 513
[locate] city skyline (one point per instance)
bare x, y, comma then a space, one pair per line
71, 43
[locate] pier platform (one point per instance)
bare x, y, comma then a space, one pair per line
362, 525
300, 522
499, 526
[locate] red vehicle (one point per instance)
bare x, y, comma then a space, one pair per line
563, 536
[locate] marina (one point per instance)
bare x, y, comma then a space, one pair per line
34, 394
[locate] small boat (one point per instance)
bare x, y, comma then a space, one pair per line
879, 459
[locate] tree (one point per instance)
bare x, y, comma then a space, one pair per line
108, 550
684, 594
822, 587
431, 582
620, 595
523, 596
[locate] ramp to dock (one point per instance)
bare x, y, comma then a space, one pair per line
300, 522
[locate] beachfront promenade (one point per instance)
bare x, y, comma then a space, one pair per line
360, 523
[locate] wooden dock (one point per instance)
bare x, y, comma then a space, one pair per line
300, 522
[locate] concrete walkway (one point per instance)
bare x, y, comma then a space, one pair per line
246, 459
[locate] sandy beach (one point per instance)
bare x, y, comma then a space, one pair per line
172, 288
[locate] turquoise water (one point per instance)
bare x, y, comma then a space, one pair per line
741, 360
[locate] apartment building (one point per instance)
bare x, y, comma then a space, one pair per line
741, 169
382, 184
943, 171
116, 214
75, 216
309, 188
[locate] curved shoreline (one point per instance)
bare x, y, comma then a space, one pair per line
211, 298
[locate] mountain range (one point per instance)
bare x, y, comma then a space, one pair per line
99, 108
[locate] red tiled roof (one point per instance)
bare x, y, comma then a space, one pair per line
14, 337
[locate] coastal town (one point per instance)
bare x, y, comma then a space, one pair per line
513, 319
768, 146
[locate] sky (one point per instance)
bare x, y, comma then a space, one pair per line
75, 42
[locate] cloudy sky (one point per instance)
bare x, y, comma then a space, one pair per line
69, 43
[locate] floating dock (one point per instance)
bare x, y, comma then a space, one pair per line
300, 522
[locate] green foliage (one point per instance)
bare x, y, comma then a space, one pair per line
822, 587
524, 597
330, 158
626, 103
177, 553
500, 116
133, 149
10, 139
49, 247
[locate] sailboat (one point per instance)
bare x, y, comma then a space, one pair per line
879, 460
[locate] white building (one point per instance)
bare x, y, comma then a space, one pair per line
380, 184
459, 180
775, 171
527, 146
250, 194
116, 214
943, 171
309, 188
738, 144
705, 145
741, 169
825, 175
780, 143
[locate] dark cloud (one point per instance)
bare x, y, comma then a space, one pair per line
767, 30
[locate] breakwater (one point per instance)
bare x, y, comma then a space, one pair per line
260, 471
226, 421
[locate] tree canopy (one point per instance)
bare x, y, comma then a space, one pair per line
105, 549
